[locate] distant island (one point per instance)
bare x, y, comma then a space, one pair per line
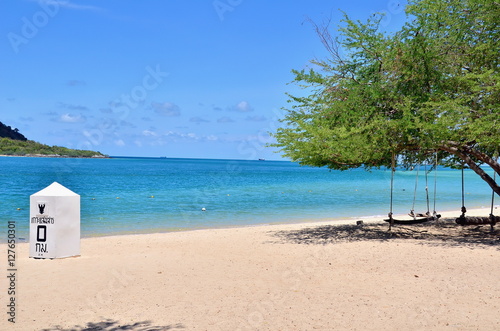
13, 143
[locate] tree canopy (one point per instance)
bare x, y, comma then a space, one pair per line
429, 90
8, 132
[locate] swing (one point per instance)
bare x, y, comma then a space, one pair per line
419, 217
477, 220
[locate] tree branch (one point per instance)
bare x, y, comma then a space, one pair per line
463, 154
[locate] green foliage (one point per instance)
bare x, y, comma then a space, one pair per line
432, 87
33, 148
430, 90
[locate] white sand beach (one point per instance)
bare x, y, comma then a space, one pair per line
313, 276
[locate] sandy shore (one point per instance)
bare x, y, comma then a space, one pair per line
321, 276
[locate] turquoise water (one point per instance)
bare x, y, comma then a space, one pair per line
135, 195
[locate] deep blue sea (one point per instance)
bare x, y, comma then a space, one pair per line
145, 195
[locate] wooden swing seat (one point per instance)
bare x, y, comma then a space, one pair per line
477, 220
418, 220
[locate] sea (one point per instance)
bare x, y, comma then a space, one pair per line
149, 195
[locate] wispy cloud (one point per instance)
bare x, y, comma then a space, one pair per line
120, 143
149, 133
256, 118
72, 107
69, 118
225, 119
198, 120
241, 107
178, 136
166, 109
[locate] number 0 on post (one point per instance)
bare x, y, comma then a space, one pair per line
41, 233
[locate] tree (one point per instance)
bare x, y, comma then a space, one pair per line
430, 89
7, 131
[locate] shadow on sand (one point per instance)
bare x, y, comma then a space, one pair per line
442, 233
110, 325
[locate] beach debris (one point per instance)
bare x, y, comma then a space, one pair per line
359, 223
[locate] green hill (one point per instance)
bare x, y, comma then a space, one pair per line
13, 143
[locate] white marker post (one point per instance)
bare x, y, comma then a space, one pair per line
54, 223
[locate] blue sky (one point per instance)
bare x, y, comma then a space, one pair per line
175, 78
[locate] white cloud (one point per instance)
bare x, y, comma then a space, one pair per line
154, 138
69, 118
242, 107
149, 133
177, 136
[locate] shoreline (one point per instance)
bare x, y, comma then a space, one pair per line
57, 156
295, 276
449, 214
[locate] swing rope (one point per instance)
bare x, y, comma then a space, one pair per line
417, 218
493, 219
392, 183
493, 193
463, 209
393, 169
434, 212
427, 190
412, 211
473, 220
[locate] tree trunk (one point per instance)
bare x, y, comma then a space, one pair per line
465, 152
